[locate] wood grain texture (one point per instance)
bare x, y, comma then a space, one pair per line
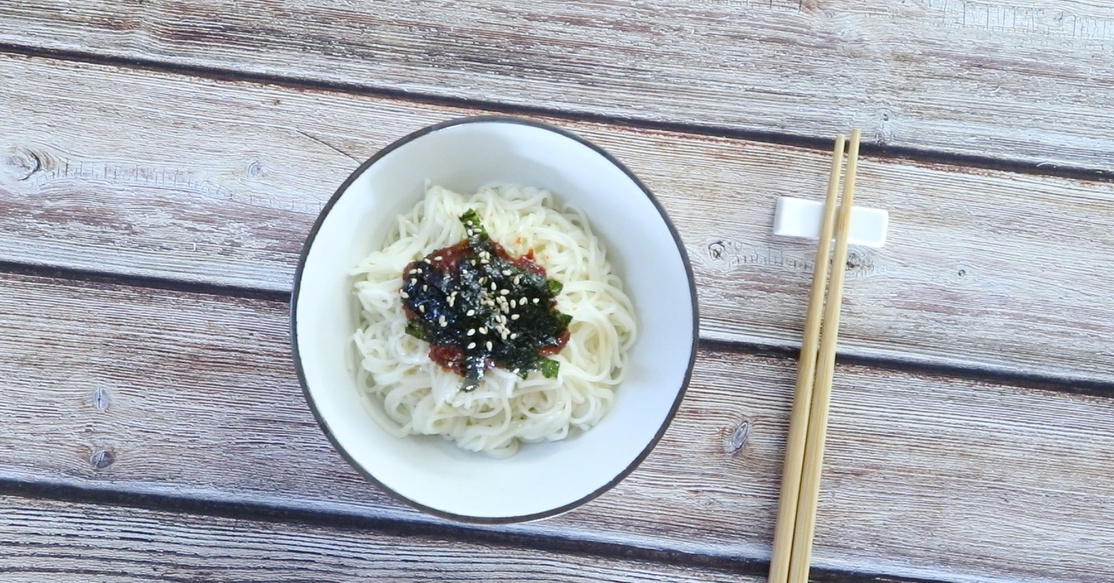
55, 541
149, 391
1028, 82
219, 182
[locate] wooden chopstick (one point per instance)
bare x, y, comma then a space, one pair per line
822, 391
802, 400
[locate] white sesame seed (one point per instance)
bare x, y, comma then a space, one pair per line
425, 287
493, 286
403, 294
514, 335
471, 345
438, 258
506, 272
517, 279
514, 316
471, 312
421, 308
471, 331
442, 320
535, 300
513, 304
523, 300
504, 292
489, 345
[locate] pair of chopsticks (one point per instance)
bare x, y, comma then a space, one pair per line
808, 423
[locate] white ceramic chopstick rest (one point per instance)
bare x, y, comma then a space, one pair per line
800, 218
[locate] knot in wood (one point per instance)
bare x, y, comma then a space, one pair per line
101, 399
854, 261
860, 262
22, 163
715, 250
101, 459
884, 133
738, 438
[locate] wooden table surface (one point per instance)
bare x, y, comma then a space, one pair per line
162, 161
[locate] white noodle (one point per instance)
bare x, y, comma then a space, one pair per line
408, 394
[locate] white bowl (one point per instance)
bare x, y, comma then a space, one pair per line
541, 479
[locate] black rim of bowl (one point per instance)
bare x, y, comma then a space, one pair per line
298, 284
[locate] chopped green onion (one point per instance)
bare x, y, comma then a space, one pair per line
549, 368
415, 329
471, 220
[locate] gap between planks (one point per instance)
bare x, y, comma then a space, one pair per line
868, 148
142, 281
923, 368
925, 74
426, 527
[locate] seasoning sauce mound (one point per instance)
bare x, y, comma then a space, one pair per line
479, 307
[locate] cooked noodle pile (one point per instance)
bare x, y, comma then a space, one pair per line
408, 394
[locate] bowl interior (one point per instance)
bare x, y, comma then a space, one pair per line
540, 479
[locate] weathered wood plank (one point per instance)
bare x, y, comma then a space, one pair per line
973, 77
49, 540
152, 391
219, 182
